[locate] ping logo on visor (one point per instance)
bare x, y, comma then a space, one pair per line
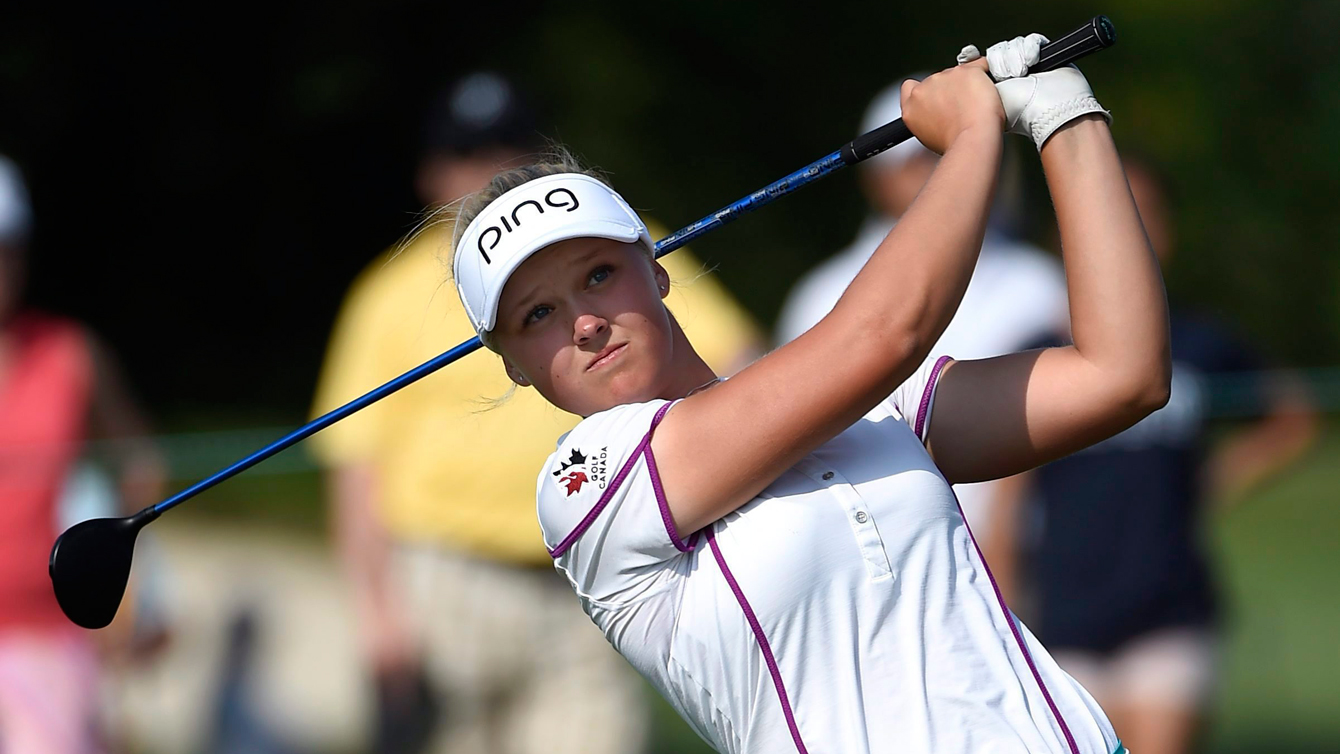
566, 200
525, 220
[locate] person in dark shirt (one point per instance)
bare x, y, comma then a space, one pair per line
1123, 591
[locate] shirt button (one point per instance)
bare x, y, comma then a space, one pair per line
828, 475
861, 517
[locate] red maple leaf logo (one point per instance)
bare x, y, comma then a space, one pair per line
574, 481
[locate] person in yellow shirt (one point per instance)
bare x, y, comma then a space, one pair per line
432, 489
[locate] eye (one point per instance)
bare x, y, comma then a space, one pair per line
599, 274
537, 314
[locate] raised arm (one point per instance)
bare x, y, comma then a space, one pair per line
718, 449
997, 417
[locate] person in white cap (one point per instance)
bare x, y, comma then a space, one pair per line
780, 553
1016, 297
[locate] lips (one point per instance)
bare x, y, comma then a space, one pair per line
606, 356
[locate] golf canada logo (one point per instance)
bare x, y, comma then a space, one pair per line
580, 470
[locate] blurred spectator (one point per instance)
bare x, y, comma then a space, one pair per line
1124, 592
433, 494
1017, 294
58, 388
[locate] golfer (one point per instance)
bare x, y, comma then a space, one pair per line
780, 554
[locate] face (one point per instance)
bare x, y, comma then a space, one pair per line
583, 322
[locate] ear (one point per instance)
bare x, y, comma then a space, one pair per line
514, 374
662, 278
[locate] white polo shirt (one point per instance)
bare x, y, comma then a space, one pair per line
1016, 299
846, 609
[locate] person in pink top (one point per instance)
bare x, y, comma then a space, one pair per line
57, 389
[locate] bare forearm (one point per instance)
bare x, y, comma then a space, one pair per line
1001, 416
1118, 309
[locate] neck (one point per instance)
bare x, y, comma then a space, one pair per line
690, 371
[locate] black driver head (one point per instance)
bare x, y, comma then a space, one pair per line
90, 565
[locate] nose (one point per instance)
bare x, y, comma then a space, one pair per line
587, 327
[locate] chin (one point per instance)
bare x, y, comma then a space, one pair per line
617, 393
621, 388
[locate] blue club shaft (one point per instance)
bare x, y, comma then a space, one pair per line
321, 422
1096, 34
769, 193
773, 191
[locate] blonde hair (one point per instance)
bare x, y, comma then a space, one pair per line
554, 161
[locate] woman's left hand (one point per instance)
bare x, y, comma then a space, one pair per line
1038, 104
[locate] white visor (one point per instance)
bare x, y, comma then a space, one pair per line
526, 219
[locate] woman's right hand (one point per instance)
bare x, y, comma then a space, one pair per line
951, 103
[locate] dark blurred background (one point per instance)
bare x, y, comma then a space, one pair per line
208, 178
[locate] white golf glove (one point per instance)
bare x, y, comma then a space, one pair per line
1037, 104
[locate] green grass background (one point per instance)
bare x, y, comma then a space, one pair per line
1278, 554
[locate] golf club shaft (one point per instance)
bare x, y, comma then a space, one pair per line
1095, 35
320, 423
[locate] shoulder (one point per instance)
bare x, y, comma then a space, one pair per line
619, 424
591, 464
913, 400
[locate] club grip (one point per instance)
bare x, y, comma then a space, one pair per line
1097, 34
871, 143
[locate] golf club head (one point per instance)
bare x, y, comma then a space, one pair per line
90, 565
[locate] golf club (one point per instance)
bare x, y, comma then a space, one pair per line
90, 563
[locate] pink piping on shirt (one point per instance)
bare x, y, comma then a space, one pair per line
655, 473
759, 637
922, 415
642, 447
1018, 638
924, 409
